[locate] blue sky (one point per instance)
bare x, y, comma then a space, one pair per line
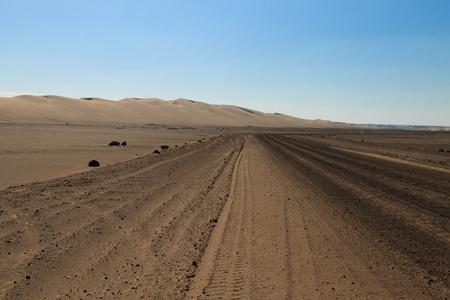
354, 61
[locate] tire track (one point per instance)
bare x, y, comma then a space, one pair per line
250, 255
92, 229
234, 217
415, 246
223, 272
406, 198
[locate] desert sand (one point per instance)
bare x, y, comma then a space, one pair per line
57, 109
315, 210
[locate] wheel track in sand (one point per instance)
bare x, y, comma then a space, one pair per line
235, 265
295, 220
136, 212
224, 273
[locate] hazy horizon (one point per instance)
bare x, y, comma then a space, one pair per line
358, 62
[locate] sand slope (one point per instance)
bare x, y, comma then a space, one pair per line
50, 109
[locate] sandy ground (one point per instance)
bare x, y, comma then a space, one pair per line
320, 215
34, 152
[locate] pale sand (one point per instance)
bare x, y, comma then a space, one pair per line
35, 152
57, 109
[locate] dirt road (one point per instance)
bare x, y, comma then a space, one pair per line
233, 217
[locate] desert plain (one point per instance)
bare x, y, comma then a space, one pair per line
242, 205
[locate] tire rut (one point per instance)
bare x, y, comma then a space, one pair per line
415, 246
86, 221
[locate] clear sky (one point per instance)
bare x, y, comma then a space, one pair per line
360, 61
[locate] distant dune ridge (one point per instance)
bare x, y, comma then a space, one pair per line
57, 109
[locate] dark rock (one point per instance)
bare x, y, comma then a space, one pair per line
114, 143
94, 163
199, 141
157, 152
124, 143
195, 264
27, 277
441, 150
164, 147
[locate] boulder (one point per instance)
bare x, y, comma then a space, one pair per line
164, 147
94, 163
157, 152
124, 143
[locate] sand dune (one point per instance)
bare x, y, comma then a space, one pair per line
57, 109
